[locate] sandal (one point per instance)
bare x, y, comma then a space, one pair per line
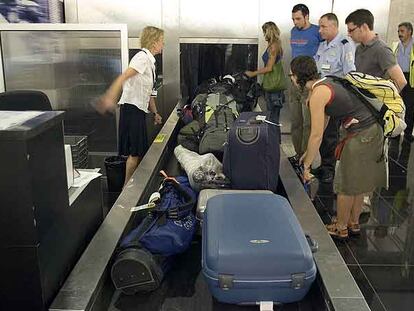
353, 229
337, 233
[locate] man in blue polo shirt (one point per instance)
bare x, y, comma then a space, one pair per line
304, 40
335, 57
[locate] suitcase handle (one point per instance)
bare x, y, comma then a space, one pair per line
248, 135
312, 243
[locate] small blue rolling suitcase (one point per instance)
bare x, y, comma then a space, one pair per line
252, 153
254, 250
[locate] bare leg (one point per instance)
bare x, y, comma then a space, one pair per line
131, 165
356, 208
344, 206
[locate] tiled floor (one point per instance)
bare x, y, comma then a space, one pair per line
382, 258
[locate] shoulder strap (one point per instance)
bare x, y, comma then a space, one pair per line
184, 209
360, 94
152, 71
147, 223
318, 82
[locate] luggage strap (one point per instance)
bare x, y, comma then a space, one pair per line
179, 211
340, 147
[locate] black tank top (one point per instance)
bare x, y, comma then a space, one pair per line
345, 105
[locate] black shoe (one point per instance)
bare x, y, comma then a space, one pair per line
364, 217
317, 172
326, 177
409, 138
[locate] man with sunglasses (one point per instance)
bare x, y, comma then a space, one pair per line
372, 56
304, 40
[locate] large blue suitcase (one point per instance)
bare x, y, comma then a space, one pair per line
254, 250
252, 153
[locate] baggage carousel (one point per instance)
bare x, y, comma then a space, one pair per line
89, 286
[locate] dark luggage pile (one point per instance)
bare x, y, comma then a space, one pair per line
244, 90
249, 149
253, 248
213, 110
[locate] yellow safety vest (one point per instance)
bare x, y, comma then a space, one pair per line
395, 50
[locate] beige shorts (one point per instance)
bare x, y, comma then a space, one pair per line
363, 163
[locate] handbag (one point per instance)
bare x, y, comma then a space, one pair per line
275, 80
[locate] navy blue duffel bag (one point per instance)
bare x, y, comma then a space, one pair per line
147, 251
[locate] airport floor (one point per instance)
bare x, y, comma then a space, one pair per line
381, 260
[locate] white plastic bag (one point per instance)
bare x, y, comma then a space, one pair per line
199, 168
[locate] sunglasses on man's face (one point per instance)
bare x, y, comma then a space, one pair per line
352, 30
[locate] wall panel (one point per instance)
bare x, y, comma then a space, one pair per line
400, 11
379, 8
137, 14
218, 18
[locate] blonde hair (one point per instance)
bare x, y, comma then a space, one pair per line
272, 35
150, 35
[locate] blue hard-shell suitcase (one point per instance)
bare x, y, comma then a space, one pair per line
254, 250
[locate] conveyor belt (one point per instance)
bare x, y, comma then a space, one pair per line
89, 287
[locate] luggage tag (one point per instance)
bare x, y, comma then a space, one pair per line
272, 123
142, 207
155, 197
262, 118
266, 305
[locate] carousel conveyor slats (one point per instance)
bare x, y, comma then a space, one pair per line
86, 288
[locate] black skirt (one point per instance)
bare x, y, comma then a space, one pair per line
133, 139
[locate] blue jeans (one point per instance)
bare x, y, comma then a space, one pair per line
274, 102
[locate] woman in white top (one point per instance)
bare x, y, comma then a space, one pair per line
137, 85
